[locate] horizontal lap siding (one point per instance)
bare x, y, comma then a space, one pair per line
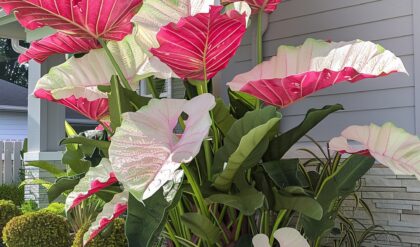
387, 22
13, 126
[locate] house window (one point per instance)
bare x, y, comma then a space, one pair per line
10, 69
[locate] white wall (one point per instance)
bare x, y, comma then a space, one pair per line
13, 125
387, 22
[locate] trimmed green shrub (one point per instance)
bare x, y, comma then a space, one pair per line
39, 229
8, 210
55, 208
114, 236
13, 193
29, 207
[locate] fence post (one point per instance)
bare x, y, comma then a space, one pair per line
17, 163
1, 162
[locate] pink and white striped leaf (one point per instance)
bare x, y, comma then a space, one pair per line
58, 43
112, 210
287, 237
268, 6
145, 153
110, 20
96, 179
74, 83
297, 72
388, 144
199, 46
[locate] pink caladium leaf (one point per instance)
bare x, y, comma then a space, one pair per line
199, 46
268, 6
110, 20
297, 72
112, 210
388, 144
58, 43
145, 153
96, 179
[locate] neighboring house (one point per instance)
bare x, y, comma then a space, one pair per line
14, 116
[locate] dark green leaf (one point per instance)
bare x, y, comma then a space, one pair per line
202, 227
222, 117
241, 103
244, 145
285, 173
295, 198
118, 103
281, 144
333, 190
51, 168
244, 241
88, 144
146, 221
247, 201
75, 159
60, 186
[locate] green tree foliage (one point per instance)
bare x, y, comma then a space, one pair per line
10, 69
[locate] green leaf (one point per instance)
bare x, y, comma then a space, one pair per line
222, 117
244, 241
333, 190
75, 159
285, 173
47, 185
241, 103
146, 221
281, 144
247, 201
245, 144
118, 104
51, 168
295, 198
70, 132
61, 186
102, 145
202, 227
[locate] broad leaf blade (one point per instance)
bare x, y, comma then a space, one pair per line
296, 199
247, 201
222, 117
202, 227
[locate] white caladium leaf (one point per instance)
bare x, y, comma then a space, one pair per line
112, 210
297, 72
287, 237
388, 144
96, 178
74, 83
145, 153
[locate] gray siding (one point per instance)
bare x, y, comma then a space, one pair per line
13, 125
387, 22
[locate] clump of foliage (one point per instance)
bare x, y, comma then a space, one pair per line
8, 210
55, 208
39, 229
12, 192
29, 206
114, 236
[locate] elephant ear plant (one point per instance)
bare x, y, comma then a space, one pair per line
195, 171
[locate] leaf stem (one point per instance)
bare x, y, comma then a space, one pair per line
152, 88
260, 36
209, 158
196, 190
279, 219
115, 64
239, 226
172, 234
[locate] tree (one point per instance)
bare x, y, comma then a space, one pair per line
10, 69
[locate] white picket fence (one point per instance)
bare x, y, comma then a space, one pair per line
10, 161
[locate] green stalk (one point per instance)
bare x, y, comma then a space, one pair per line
172, 234
115, 64
152, 88
239, 226
196, 190
279, 219
209, 158
260, 36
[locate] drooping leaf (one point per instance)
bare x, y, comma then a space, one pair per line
244, 145
102, 145
335, 188
60, 186
58, 43
202, 227
76, 161
146, 142
151, 213
284, 172
247, 201
268, 6
388, 144
241, 103
51, 168
222, 117
281, 144
199, 46
111, 211
297, 72
295, 198
96, 179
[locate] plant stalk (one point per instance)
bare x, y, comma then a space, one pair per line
279, 219
197, 192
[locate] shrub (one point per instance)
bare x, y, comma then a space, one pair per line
112, 237
55, 208
8, 210
29, 207
39, 229
12, 193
